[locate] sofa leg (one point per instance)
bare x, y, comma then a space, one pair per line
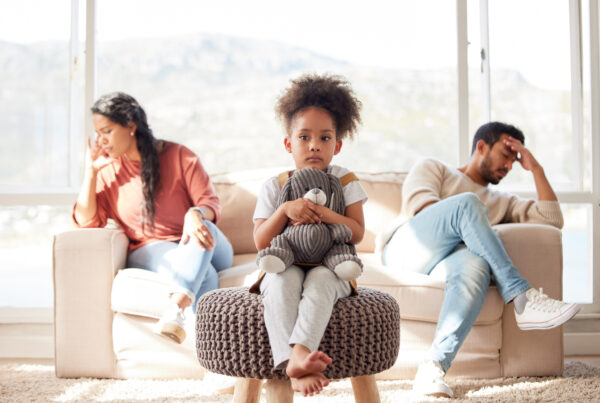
365, 389
279, 391
247, 390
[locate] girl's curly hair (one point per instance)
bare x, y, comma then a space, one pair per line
329, 92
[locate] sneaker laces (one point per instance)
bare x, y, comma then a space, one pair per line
542, 302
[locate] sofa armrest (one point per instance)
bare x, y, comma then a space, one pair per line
536, 251
84, 264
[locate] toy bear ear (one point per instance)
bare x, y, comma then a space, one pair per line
337, 190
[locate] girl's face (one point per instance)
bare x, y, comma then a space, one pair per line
114, 139
312, 139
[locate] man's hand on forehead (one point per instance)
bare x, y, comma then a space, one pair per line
514, 147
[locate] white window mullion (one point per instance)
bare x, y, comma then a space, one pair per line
74, 97
576, 92
90, 65
595, 118
463, 81
484, 33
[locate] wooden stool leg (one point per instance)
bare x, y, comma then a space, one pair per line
247, 390
365, 389
279, 391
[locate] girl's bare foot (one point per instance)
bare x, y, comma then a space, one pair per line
310, 384
302, 362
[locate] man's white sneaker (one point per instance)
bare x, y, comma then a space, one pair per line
429, 380
171, 324
543, 312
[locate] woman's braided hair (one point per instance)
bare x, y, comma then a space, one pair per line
122, 108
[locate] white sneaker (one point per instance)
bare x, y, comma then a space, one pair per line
429, 380
171, 324
543, 312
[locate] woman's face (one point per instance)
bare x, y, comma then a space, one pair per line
114, 139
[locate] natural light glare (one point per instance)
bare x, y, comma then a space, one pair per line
312, 24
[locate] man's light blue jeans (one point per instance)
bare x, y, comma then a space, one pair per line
454, 235
190, 267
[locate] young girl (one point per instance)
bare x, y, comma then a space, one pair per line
318, 113
159, 194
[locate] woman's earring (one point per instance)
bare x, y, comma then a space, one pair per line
131, 134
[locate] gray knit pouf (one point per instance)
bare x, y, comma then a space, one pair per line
363, 335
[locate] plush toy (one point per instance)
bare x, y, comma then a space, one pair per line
325, 244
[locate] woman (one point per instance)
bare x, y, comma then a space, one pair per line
159, 194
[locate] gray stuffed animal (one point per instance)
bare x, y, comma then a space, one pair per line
325, 244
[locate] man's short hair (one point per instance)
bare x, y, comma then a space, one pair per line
492, 131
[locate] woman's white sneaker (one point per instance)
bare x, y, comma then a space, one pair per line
171, 324
543, 312
429, 380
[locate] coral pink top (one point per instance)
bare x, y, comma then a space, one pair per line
183, 184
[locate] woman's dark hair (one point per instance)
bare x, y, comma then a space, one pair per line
122, 109
492, 131
329, 92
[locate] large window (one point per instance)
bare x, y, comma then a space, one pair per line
35, 154
208, 74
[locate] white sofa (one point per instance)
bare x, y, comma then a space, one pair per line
103, 314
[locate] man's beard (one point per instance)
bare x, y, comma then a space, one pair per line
486, 172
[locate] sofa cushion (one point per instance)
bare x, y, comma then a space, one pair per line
238, 194
145, 293
420, 296
385, 202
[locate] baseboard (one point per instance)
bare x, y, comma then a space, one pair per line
26, 333
582, 343
26, 340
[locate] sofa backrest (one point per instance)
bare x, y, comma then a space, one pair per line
238, 193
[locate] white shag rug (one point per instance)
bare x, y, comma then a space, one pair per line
37, 383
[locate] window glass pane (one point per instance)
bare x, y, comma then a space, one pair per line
530, 85
208, 74
26, 253
577, 253
34, 92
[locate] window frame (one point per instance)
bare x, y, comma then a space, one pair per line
81, 101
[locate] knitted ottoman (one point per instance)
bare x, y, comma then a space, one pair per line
363, 338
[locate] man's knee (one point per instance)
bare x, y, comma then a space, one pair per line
470, 269
470, 202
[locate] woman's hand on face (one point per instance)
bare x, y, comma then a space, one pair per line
95, 158
194, 228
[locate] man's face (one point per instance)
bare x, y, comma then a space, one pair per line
497, 161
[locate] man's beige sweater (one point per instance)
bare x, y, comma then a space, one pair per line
431, 180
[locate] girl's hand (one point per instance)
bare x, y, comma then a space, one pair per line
95, 158
302, 211
194, 227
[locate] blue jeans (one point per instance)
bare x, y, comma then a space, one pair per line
432, 242
190, 267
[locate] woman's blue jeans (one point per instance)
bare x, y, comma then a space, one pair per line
190, 267
454, 237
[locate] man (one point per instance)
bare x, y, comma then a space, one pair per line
451, 211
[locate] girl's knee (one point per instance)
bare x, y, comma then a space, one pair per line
288, 281
322, 281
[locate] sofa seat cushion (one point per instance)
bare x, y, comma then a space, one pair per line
140, 353
420, 296
145, 293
